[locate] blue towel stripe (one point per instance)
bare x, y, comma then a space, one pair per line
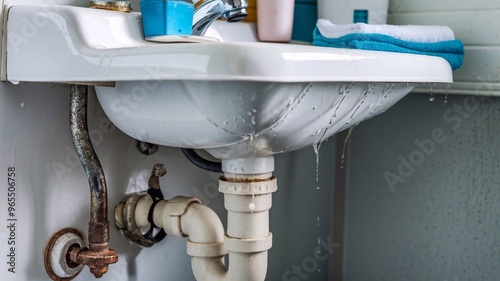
452, 51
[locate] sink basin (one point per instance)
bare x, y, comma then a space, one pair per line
235, 98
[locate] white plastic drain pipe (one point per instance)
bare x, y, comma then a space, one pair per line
248, 199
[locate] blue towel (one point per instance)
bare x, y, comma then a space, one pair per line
452, 51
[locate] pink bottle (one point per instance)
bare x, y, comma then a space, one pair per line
275, 20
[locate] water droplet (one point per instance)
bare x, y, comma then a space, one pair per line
447, 91
251, 206
338, 106
22, 104
316, 147
316, 133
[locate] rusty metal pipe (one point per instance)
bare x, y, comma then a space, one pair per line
98, 255
98, 194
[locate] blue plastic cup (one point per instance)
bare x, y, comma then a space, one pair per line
166, 17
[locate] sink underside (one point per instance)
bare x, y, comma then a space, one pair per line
239, 119
235, 98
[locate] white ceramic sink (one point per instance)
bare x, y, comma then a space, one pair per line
236, 99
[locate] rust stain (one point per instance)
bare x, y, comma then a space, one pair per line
48, 252
244, 180
98, 262
113, 5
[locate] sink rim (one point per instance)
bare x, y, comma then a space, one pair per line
61, 42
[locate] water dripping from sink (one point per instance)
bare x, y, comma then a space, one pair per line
251, 206
432, 93
290, 108
318, 252
338, 106
345, 146
316, 147
446, 95
361, 103
343, 93
368, 91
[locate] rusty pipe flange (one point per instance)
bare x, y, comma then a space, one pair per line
98, 262
112, 5
57, 263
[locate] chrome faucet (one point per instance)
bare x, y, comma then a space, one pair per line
210, 10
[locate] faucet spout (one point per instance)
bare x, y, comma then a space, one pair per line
210, 10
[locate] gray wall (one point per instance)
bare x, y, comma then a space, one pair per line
53, 191
423, 197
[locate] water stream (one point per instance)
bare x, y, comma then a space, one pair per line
345, 146
446, 95
316, 147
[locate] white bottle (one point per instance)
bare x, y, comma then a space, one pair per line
349, 11
275, 20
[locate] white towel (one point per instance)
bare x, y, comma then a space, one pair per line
413, 33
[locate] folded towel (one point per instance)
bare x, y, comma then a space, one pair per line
450, 50
414, 33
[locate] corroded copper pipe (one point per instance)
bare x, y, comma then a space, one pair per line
98, 255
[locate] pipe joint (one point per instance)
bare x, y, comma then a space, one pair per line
98, 241
241, 204
167, 214
250, 245
248, 187
206, 250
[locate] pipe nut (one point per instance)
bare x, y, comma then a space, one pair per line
206, 250
168, 213
252, 245
248, 188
